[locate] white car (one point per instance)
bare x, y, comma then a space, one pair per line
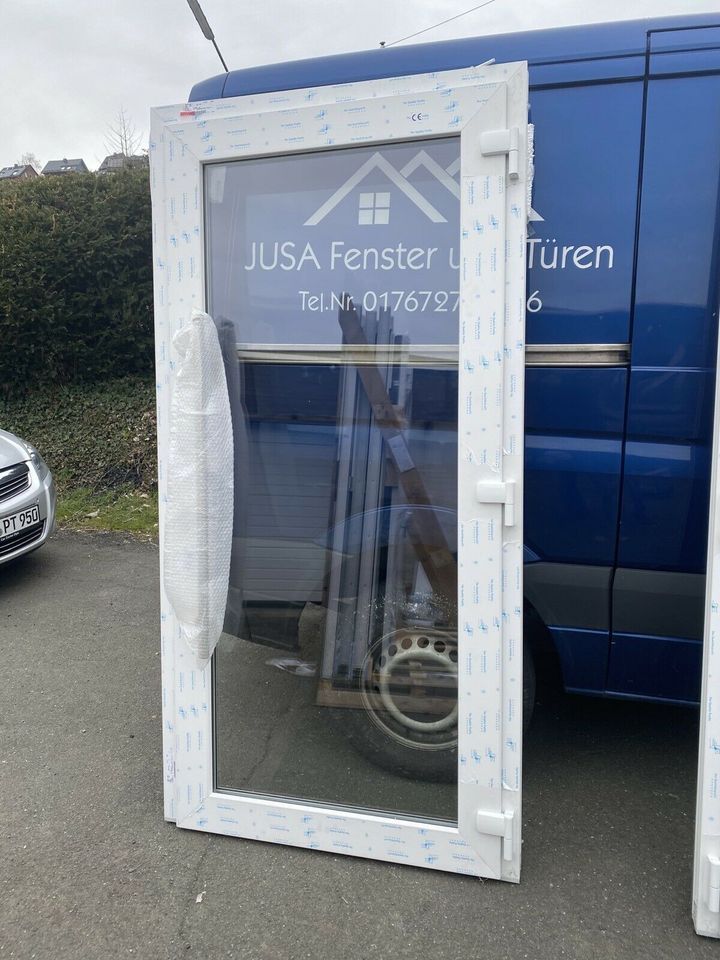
27, 498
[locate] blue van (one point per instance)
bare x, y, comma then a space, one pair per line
621, 330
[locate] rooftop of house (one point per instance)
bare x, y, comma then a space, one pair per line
65, 166
18, 171
121, 161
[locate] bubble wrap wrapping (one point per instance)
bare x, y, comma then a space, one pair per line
199, 509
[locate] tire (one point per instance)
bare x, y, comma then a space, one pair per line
417, 748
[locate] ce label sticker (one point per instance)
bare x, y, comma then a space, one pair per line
417, 117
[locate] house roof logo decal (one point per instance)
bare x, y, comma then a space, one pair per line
375, 207
445, 177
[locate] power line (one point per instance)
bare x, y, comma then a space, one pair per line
435, 25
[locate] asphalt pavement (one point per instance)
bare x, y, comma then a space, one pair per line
89, 869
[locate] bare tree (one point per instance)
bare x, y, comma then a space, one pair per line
122, 136
30, 160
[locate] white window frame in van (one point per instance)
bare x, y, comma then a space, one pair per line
486, 107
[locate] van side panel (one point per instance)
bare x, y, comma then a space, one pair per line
580, 267
580, 256
573, 446
663, 532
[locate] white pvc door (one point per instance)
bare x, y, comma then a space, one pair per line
358, 253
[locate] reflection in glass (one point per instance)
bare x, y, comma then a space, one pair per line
336, 680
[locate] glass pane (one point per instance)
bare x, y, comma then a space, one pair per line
289, 236
336, 679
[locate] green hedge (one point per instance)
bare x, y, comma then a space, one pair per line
75, 280
98, 436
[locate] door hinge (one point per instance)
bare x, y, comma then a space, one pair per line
713, 888
497, 825
498, 491
494, 142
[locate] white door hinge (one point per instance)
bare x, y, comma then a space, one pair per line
713, 891
498, 491
497, 825
494, 142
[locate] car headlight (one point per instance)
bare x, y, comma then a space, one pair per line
37, 461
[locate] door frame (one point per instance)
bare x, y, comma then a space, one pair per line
487, 107
706, 858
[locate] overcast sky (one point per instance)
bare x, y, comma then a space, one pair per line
67, 67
